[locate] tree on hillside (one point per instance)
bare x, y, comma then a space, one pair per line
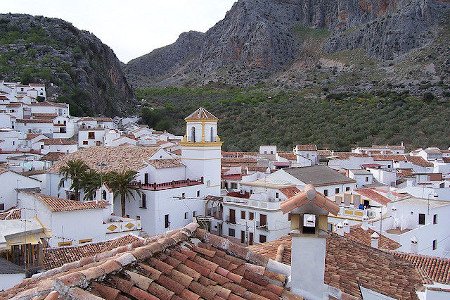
120, 183
74, 170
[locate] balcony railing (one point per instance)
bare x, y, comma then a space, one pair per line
118, 224
167, 185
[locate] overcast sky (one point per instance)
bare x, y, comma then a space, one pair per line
133, 27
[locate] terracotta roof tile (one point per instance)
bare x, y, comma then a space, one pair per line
370, 268
57, 204
201, 113
362, 236
117, 275
308, 147
437, 268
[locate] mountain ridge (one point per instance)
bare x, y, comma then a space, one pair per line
75, 65
262, 41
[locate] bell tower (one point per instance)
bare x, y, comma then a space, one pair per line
201, 149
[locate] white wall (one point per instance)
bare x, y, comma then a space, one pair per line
9, 280
9, 181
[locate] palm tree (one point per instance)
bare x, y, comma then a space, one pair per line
120, 183
75, 170
90, 182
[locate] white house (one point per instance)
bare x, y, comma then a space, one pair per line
46, 107
308, 152
348, 160
90, 136
9, 182
430, 154
62, 218
362, 177
380, 149
11, 140
171, 189
420, 225
59, 145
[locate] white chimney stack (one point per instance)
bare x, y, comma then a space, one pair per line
374, 240
365, 223
340, 229
414, 245
346, 224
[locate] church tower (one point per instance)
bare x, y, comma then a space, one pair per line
201, 149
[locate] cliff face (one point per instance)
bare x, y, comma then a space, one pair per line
75, 65
267, 40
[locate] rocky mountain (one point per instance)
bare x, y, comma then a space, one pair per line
323, 45
75, 65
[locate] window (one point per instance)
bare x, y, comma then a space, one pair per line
277, 195
186, 214
289, 217
243, 214
166, 221
232, 217
347, 188
336, 190
262, 220
422, 219
262, 238
367, 179
97, 143
84, 241
434, 244
183, 195
212, 135
85, 142
193, 134
325, 193
231, 232
91, 135
234, 185
198, 193
104, 195
143, 200
251, 215
2, 206
242, 236
434, 219
62, 244
194, 213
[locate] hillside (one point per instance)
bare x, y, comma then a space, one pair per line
324, 45
76, 66
250, 117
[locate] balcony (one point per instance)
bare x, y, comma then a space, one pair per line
119, 224
167, 185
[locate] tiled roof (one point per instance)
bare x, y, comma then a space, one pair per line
362, 236
437, 268
419, 161
31, 136
58, 204
239, 154
11, 214
416, 160
59, 142
308, 147
309, 196
103, 119
165, 163
318, 175
53, 156
290, 191
349, 264
48, 103
201, 113
347, 155
44, 115
43, 121
169, 267
324, 152
288, 155
373, 195
114, 158
56, 257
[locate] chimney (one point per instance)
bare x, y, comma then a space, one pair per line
414, 245
374, 240
309, 223
340, 229
346, 225
365, 223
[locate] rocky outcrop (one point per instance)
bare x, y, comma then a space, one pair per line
258, 40
75, 65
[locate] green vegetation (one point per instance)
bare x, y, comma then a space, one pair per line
252, 117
